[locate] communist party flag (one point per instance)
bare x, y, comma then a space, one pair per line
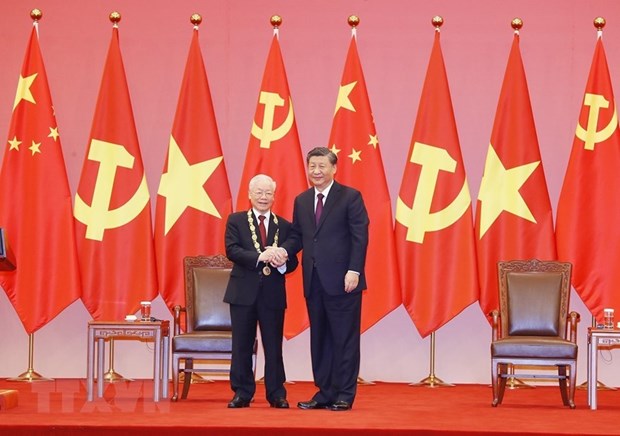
194, 197
354, 140
513, 214
35, 203
112, 204
434, 223
588, 215
274, 149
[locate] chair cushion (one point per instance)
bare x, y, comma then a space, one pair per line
534, 303
207, 342
541, 347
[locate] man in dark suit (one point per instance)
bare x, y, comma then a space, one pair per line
256, 294
330, 223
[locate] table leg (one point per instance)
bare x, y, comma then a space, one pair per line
157, 365
592, 380
100, 359
90, 364
165, 364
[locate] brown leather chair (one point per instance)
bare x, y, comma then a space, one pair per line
208, 336
533, 326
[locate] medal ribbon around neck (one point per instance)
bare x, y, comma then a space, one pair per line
266, 269
253, 231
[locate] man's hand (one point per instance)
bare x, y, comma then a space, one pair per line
351, 280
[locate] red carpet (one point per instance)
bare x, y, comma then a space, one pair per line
60, 407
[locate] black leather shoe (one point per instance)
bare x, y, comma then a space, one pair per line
307, 405
340, 406
238, 402
279, 403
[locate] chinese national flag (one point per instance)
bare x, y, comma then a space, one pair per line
274, 150
513, 215
194, 197
588, 213
354, 140
112, 205
35, 203
434, 223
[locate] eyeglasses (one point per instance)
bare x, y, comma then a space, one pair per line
259, 194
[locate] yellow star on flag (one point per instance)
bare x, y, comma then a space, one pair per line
54, 133
343, 100
355, 155
23, 90
183, 184
374, 141
14, 143
499, 190
34, 148
335, 150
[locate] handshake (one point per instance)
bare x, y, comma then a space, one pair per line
275, 256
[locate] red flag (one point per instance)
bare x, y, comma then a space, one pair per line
513, 214
194, 197
35, 203
588, 215
434, 236
354, 140
274, 150
112, 204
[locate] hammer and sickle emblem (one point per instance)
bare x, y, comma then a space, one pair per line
419, 219
590, 136
98, 217
268, 134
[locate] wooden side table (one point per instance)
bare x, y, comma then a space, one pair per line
157, 331
596, 337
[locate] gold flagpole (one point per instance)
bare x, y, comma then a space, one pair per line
30, 375
112, 376
432, 381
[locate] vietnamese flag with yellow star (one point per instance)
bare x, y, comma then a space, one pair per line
434, 221
194, 198
112, 204
513, 214
354, 140
588, 215
274, 149
35, 203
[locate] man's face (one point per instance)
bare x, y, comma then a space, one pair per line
262, 196
321, 171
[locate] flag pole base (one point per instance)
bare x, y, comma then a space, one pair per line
515, 383
30, 376
600, 386
432, 382
114, 377
362, 382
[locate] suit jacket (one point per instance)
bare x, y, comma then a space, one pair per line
337, 244
247, 278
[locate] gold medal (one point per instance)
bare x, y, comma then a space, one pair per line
266, 270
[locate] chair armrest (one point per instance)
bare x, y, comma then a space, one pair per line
177, 318
573, 319
495, 333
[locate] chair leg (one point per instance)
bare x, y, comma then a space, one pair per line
175, 378
571, 384
562, 382
187, 377
494, 383
503, 370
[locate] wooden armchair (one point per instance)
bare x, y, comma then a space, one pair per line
208, 335
533, 326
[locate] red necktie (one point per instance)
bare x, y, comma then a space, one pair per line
262, 230
319, 208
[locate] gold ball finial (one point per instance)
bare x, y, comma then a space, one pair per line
353, 21
195, 19
36, 14
276, 21
517, 24
115, 17
599, 23
437, 21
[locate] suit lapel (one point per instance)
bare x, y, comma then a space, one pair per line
271, 232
